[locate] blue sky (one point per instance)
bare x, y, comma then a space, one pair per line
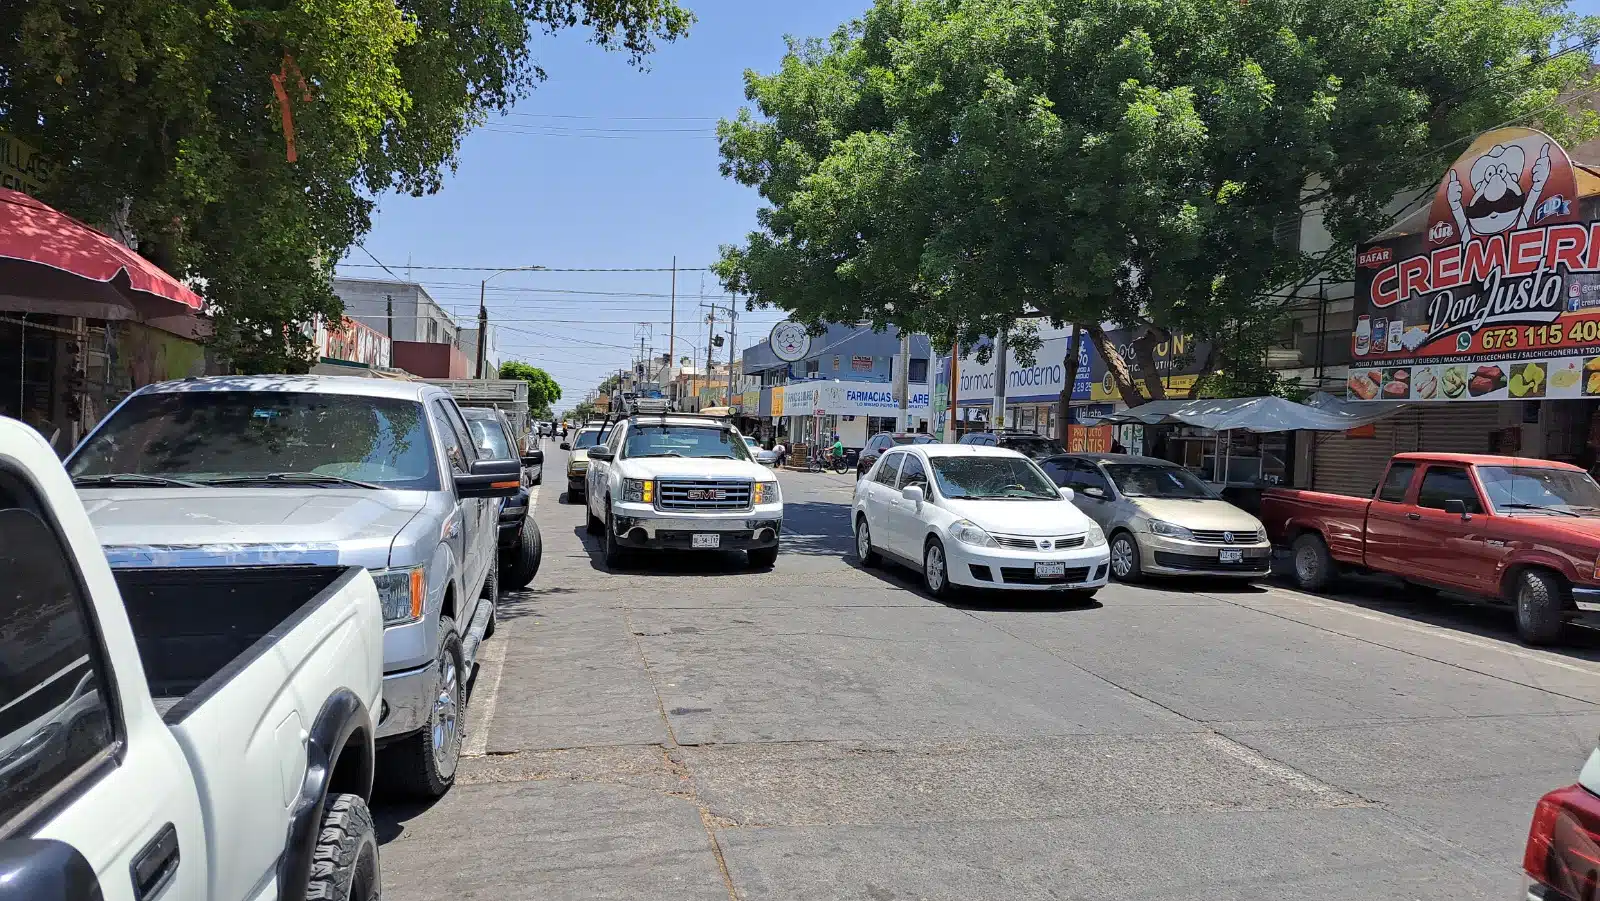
601, 166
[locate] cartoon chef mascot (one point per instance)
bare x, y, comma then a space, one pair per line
1498, 201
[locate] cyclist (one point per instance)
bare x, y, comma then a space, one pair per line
836, 452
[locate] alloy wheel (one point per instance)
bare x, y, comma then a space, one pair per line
447, 717
1122, 552
933, 568
863, 542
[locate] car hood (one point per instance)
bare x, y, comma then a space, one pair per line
578, 456
689, 468
1025, 517
1197, 513
235, 526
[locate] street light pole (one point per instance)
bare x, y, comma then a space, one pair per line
483, 311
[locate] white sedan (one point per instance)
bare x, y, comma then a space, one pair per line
978, 517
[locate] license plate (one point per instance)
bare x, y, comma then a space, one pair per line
1050, 570
705, 539
1230, 556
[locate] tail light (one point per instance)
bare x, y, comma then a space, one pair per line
1563, 852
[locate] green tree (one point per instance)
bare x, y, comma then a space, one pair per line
165, 121
542, 389
953, 165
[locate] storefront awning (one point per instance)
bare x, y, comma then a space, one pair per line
1325, 413
52, 263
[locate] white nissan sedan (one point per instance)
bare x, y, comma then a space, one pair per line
978, 517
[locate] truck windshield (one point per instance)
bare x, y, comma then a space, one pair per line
1518, 489
684, 441
1155, 480
199, 436
992, 478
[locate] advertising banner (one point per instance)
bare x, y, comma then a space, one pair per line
1084, 439
1179, 362
1496, 296
777, 400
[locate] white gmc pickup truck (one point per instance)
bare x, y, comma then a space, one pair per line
184, 735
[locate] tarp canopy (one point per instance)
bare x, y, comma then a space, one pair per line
1324, 413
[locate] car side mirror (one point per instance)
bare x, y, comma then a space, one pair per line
1458, 507
566, 446
1066, 493
913, 493
1093, 493
490, 478
46, 870
599, 453
533, 458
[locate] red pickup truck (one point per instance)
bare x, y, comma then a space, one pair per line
1513, 530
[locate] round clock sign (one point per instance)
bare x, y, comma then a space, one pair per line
790, 341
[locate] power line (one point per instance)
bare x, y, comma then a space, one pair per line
616, 118
494, 268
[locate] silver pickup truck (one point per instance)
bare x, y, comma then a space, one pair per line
321, 471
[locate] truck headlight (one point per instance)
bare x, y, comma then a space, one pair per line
1170, 530
402, 592
766, 493
967, 532
1094, 537
638, 491
577, 466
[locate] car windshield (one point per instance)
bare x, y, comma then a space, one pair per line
913, 439
1011, 478
1522, 489
198, 436
1037, 448
586, 438
706, 442
489, 437
1156, 480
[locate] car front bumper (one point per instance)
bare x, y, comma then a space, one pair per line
1162, 556
406, 698
643, 526
1013, 570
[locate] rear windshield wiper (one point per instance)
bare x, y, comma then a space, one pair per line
131, 478
294, 478
1538, 507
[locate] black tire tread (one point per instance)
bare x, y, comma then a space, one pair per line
346, 827
1325, 571
521, 563
1541, 622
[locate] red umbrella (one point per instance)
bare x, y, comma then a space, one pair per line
52, 263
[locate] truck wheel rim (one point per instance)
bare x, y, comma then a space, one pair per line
935, 567
1121, 557
446, 731
863, 542
1305, 564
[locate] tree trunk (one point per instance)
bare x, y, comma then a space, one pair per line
1205, 370
1069, 376
1144, 355
1116, 366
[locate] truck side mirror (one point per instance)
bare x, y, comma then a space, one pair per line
1458, 507
46, 870
490, 478
600, 453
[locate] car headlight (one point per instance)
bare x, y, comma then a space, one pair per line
402, 592
1094, 537
638, 491
577, 466
967, 532
767, 493
1170, 530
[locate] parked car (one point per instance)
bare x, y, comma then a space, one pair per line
578, 460
882, 441
672, 481
968, 516
1161, 519
1509, 530
182, 734
1033, 445
521, 546
1564, 839
318, 471
762, 455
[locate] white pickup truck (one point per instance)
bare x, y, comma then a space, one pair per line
183, 735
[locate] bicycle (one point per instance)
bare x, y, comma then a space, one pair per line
821, 463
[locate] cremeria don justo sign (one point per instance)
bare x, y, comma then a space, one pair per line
1498, 296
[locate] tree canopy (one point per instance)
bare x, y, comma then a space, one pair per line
953, 165
171, 121
542, 389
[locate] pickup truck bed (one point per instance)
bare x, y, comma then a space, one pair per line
196, 628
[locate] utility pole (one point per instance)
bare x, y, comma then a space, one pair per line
483, 331
733, 332
903, 381
672, 320
711, 328
389, 304
999, 417
955, 387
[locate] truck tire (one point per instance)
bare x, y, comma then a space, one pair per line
762, 557
1313, 565
521, 562
1538, 599
344, 864
591, 523
616, 554
424, 765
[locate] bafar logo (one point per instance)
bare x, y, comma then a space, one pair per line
1375, 257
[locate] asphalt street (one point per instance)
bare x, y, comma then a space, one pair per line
689, 729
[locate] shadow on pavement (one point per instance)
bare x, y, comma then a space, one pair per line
817, 529
518, 604
666, 563
390, 817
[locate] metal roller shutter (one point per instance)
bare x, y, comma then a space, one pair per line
1353, 465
